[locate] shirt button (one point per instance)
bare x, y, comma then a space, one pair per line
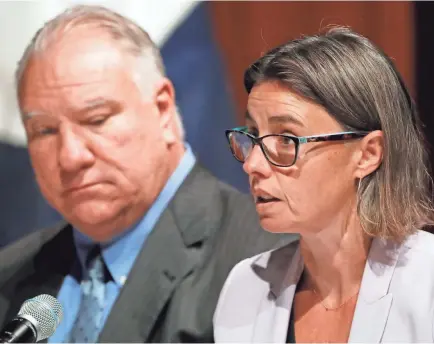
123, 279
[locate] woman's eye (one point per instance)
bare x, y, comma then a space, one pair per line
253, 131
285, 140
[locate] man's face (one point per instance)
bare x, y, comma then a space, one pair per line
100, 149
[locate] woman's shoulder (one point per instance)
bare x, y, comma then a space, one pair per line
412, 281
413, 272
419, 243
417, 257
260, 272
265, 261
249, 282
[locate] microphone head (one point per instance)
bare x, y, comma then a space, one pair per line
44, 312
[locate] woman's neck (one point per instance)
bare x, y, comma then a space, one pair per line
334, 261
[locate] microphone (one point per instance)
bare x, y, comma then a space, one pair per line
37, 320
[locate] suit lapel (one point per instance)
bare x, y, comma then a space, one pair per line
43, 274
374, 298
36, 284
164, 261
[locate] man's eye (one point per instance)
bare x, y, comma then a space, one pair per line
44, 131
97, 120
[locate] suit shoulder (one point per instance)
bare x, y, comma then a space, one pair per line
236, 200
231, 191
233, 202
200, 182
25, 248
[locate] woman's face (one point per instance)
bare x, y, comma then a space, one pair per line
321, 186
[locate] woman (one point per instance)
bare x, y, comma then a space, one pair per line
334, 151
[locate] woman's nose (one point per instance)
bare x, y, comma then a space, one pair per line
257, 163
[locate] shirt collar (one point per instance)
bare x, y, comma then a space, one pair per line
120, 254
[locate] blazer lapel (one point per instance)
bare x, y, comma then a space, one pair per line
164, 261
272, 319
374, 298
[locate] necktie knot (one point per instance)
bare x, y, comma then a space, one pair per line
95, 267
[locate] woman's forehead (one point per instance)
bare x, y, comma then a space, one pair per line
272, 103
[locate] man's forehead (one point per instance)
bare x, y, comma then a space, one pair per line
81, 76
75, 53
89, 74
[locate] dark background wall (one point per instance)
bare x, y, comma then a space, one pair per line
424, 66
206, 58
246, 29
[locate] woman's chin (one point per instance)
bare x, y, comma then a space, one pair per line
277, 225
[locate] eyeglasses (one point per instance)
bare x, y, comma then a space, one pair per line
279, 149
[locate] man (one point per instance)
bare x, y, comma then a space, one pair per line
150, 235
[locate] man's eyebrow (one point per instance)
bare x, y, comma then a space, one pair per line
26, 115
279, 119
89, 105
96, 103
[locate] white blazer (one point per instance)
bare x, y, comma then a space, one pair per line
395, 302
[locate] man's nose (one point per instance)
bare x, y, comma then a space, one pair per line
74, 153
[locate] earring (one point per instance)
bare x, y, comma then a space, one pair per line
358, 185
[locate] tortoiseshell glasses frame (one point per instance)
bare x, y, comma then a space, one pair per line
279, 149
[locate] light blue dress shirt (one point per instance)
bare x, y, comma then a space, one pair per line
119, 255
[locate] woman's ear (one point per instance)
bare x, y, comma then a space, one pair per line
370, 155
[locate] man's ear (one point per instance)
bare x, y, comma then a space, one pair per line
370, 155
166, 104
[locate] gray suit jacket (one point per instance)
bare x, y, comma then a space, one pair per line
395, 304
173, 287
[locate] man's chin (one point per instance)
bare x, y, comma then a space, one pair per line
92, 214
101, 230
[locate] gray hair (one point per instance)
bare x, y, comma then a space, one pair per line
359, 86
130, 37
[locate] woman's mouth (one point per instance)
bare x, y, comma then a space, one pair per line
265, 199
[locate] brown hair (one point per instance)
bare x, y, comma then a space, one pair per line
359, 86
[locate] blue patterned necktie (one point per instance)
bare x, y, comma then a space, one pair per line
90, 315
